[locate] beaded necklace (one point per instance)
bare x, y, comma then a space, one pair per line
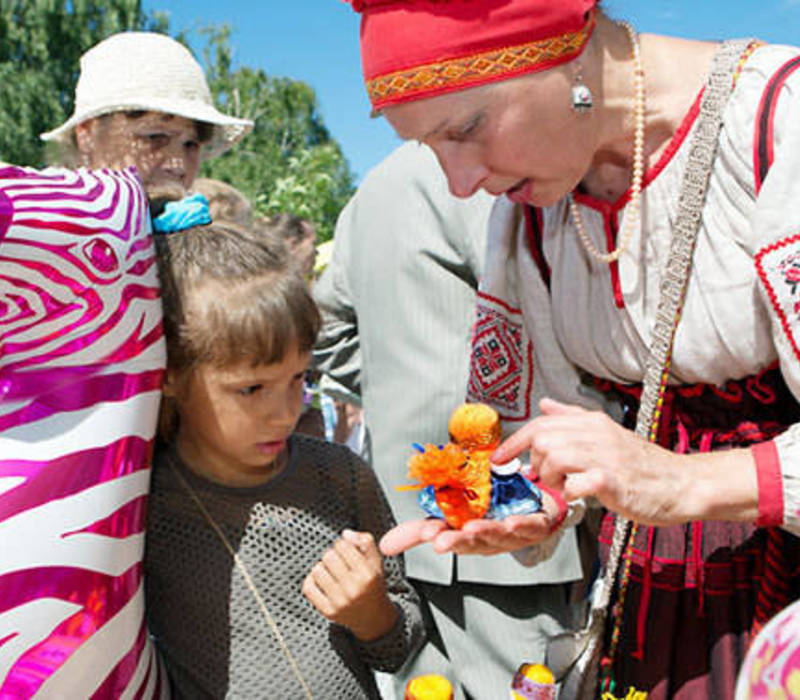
633, 219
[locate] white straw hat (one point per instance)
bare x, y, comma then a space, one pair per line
153, 72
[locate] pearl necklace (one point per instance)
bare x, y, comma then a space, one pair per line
633, 218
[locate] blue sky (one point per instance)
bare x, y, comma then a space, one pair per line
317, 41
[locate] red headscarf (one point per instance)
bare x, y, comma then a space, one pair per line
411, 49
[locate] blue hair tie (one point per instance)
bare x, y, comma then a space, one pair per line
185, 213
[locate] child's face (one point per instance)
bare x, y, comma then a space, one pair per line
235, 420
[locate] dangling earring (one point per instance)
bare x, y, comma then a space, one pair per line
581, 94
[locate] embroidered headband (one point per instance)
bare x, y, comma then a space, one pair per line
182, 214
412, 49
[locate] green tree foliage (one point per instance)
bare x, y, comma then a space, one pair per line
289, 163
41, 42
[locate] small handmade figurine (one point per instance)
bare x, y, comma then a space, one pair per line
458, 481
533, 682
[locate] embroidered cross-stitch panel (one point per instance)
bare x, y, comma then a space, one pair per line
501, 365
778, 267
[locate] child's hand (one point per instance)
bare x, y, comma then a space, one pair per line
347, 587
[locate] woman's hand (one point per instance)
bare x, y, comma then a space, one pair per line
584, 453
347, 586
476, 536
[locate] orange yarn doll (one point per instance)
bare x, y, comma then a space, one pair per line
457, 478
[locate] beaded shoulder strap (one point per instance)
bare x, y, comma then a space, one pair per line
684, 234
672, 293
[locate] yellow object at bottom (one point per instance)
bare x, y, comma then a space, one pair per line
538, 673
633, 694
430, 687
533, 682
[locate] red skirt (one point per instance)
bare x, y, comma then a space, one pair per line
697, 592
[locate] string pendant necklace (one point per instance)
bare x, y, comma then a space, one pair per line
248, 579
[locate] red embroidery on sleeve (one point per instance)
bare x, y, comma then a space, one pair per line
778, 267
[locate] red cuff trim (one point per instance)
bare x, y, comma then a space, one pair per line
560, 503
770, 484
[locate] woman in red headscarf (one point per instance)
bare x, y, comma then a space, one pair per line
650, 235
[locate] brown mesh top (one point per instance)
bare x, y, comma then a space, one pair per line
206, 621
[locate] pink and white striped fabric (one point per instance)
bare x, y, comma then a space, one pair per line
81, 365
772, 666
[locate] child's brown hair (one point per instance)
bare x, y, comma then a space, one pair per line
225, 202
229, 297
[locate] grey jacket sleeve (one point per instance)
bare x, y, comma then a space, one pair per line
337, 352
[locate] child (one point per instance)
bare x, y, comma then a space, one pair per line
246, 518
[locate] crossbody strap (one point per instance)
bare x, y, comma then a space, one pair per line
676, 275
672, 293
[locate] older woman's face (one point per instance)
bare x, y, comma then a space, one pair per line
518, 137
164, 148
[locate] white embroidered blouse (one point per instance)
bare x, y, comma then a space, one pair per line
742, 308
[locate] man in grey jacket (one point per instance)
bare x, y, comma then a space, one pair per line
398, 303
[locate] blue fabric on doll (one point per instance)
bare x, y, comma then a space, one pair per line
512, 494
